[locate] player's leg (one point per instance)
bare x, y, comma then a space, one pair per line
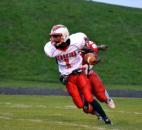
98, 108
84, 86
97, 86
74, 92
99, 89
88, 108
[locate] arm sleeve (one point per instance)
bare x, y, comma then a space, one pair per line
91, 45
48, 49
80, 39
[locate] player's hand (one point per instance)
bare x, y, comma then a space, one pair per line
103, 47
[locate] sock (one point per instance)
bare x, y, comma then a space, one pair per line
97, 107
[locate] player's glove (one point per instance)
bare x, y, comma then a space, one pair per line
85, 50
64, 79
102, 47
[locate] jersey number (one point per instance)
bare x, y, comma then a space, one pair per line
67, 63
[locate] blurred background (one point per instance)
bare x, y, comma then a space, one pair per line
25, 27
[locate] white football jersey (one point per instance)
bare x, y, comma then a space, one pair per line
69, 59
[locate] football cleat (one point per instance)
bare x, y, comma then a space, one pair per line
107, 121
110, 103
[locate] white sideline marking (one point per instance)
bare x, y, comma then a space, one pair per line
7, 103
6, 114
55, 114
31, 120
56, 122
13, 105
66, 107
21, 119
20, 106
137, 113
126, 112
42, 106
78, 125
74, 107
6, 118
70, 107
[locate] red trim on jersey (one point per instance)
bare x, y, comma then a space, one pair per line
90, 46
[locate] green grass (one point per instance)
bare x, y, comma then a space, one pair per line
59, 113
25, 25
31, 84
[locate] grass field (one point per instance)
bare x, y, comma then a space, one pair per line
59, 113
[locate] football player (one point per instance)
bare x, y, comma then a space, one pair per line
66, 49
97, 86
90, 56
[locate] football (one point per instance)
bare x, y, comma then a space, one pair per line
90, 58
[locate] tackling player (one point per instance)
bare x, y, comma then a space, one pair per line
98, 88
